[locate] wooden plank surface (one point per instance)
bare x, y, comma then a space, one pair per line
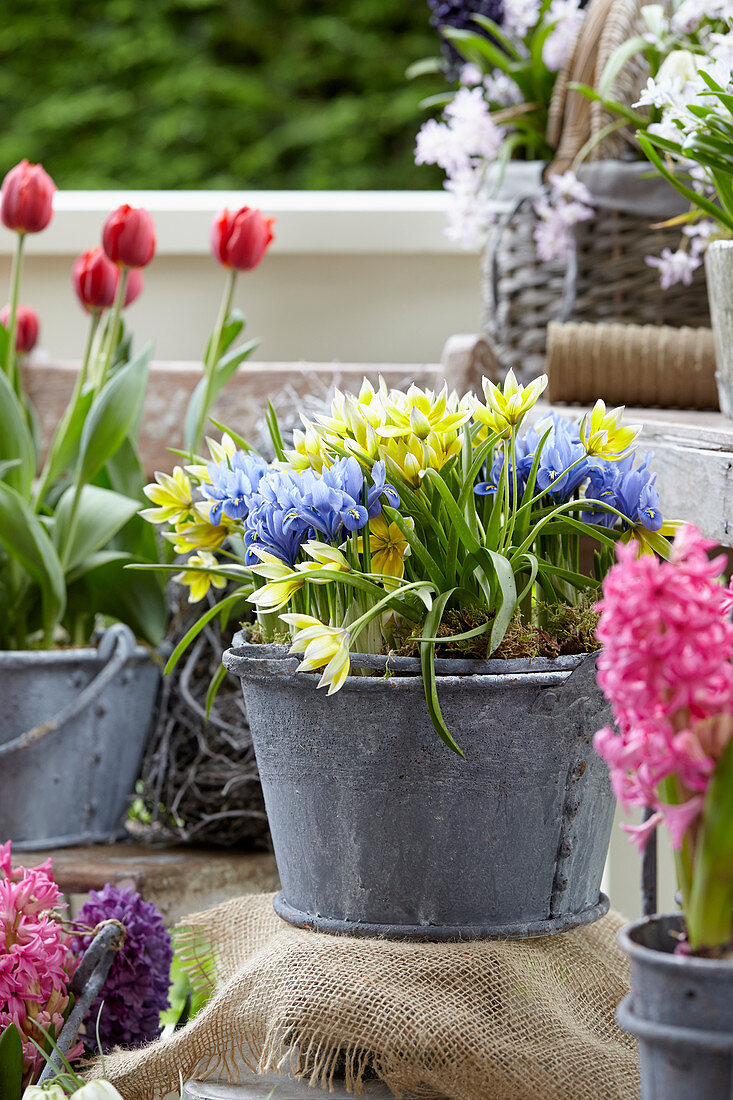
180, 880
242, 405
693, 459
693, 450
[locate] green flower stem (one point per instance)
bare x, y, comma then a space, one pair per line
42, 485
11, 356
358, 625
73, 519
709, 908
512, 514
268, 621
669, 792
113, 328
213, 356
503, 538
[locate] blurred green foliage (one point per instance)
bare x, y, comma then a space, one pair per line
215, 93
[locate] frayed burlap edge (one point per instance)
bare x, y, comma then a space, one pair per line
519, 1021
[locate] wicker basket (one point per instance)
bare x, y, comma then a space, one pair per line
606, 278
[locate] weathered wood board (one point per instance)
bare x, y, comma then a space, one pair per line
693, 459
693, 450
241, 406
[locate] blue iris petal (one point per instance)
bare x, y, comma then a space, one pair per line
234, 483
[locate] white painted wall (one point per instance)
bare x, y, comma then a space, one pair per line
351, 276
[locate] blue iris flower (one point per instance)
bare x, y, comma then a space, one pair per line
289, 508
332, 500
561, 450
233, 485
272, 523
632, 491
267, 527
379, 489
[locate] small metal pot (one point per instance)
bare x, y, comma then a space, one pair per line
719, 273
72, 736
379, 829
681, 1011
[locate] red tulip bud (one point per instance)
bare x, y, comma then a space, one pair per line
240, 240
27, 198
27, 327
134, 288
95, 279
129, 237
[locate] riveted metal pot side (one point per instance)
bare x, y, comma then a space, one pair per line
376, 822
72, 784
681, 1011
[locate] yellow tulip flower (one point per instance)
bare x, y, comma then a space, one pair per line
200, 583
219, 451
506, 407
321, 646
388, 547
422, 413
602, 435
197, 533
172, 495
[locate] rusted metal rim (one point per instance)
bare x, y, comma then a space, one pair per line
443, 933
256, 661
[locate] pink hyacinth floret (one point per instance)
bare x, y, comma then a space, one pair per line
667, 670
35, 962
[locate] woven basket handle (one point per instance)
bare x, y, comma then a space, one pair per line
574, 120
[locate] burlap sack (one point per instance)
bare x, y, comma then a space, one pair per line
473, 1021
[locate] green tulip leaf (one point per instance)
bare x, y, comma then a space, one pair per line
25, 539
100, 514
114, 412
16, 440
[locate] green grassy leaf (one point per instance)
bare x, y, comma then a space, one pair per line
710, 909
508, 603
618, 60
427, 664
190, 635
647, 142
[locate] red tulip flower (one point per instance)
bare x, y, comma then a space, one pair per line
27, 327
240, 240
27, 198
95, 279
129, 237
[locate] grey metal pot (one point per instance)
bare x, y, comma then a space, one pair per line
379, 829
71, 739
681, 1011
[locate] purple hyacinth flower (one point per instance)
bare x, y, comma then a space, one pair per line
137, 986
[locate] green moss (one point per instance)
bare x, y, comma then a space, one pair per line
566, 630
